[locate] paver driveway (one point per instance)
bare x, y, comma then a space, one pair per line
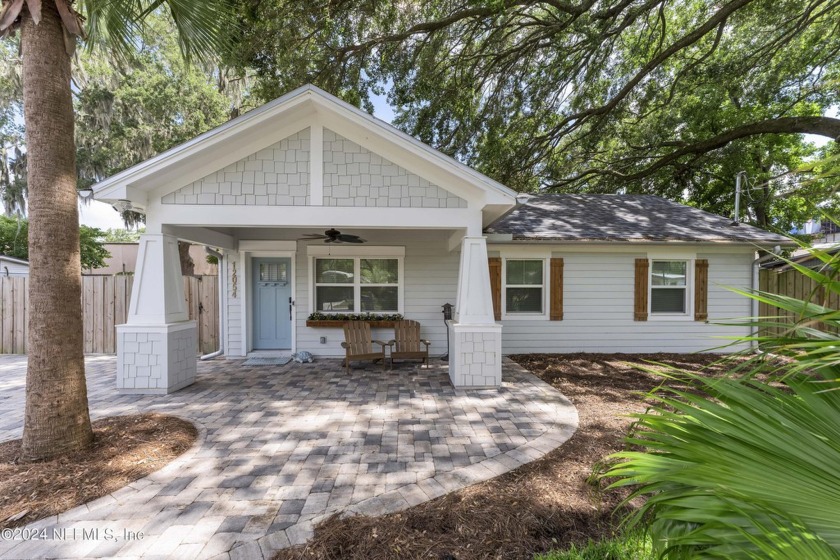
282, 447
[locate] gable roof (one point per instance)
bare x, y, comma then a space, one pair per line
215, 145
620, 217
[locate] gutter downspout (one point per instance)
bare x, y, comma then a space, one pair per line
222, 286
756, 267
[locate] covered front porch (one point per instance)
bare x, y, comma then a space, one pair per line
256, 187
274, 279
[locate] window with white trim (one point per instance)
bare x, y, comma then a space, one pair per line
524, 286
357, 284
669, 287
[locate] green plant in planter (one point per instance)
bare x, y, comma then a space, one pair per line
317, 316
746, 467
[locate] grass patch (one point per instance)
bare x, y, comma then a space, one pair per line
633, 546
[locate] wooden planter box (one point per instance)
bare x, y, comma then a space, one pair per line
338, 324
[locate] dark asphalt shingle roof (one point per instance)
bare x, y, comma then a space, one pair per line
619, 217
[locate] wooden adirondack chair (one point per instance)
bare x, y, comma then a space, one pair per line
407, 344
358, 344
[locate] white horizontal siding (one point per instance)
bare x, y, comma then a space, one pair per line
233, 316
598, 310
431, 274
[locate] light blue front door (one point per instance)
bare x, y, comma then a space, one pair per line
272, 304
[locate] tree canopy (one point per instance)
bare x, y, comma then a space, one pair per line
128, 111
670, 97
14, 242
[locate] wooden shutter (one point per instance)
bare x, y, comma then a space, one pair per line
701, 289
640, 308
495, 264
556, 289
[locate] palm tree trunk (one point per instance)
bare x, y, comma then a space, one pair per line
57, 418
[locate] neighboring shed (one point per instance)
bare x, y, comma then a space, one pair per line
10, 266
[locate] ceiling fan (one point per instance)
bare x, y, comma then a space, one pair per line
332, 235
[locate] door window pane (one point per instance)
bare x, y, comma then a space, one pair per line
379, 298
273, 272
334, 298
334, 271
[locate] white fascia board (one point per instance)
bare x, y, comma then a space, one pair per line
210, 159
636, 247
264, 245
356, 250
496, 193
202, 236
314, 217
212, 138
256, 129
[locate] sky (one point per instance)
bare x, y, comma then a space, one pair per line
103, 216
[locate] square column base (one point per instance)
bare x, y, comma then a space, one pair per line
475, 356
156, 359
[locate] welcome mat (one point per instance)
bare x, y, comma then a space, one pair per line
257, 361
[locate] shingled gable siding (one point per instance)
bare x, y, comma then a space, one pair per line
354, 176
275, 176
599, 309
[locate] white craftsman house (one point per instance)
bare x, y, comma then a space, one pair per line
554, 273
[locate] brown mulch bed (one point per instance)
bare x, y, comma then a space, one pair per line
547, 504
125, 449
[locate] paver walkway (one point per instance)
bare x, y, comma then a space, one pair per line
281, 448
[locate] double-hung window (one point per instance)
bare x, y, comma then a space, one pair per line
524, 286
357, 284
669, 287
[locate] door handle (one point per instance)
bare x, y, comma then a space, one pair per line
291, 303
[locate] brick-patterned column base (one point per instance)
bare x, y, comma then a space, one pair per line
156, 360
475, 355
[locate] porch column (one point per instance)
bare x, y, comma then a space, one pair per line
475, 357
156, 348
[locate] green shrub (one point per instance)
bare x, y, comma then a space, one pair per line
743, 467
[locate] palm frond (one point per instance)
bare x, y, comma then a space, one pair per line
734, 458
203, 27
738, 467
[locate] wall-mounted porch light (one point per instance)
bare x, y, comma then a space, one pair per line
447, 316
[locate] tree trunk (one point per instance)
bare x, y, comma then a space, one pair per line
57, 420
187, 264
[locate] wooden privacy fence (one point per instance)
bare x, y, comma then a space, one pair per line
105, 301
793, 284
